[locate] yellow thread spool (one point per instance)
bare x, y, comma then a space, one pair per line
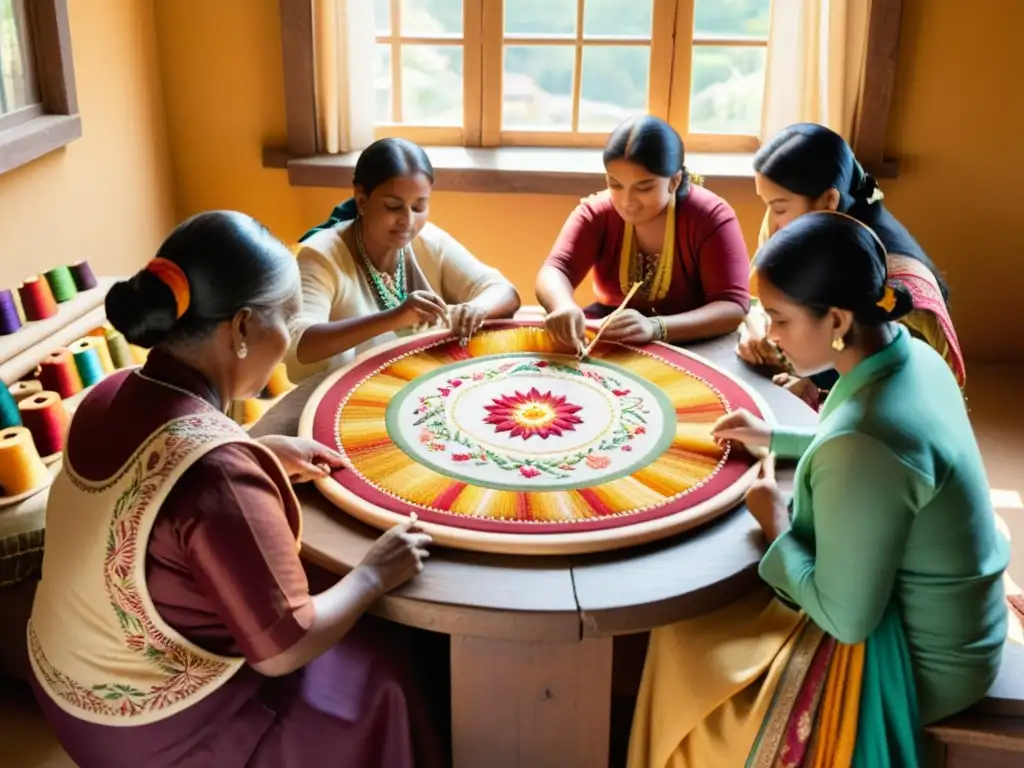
253, 409
279, 382
21, 469
99, 343
22, 389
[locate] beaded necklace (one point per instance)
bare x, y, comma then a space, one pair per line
391, 293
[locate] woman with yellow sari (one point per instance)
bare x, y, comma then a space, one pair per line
887, 612
807, 167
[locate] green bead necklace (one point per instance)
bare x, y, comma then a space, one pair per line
390, 293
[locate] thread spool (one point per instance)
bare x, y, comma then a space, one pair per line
46, 418
22, 389
21, 469
37, 299
61, 283
279, 382
249, 411
99, 343
82, 275
120, 349
58, 373
87, 361
9, 414
9, 319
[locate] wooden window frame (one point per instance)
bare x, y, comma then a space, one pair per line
36, 130
477, 155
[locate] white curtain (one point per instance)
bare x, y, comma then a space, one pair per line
344, 35
816, 56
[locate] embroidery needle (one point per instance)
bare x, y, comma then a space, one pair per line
618, 311
421, 279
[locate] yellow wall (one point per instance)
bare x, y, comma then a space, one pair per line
108, 196
221, 66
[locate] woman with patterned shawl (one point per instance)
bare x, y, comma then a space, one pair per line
807, 167
652, 226
174, 625
887, 613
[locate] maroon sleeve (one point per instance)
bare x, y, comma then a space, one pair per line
580, 242
722, 260
241, 551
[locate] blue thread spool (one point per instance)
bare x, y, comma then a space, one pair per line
10, 416
87, 361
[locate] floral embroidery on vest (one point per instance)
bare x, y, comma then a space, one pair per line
183, 671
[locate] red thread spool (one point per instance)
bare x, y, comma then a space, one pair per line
37, 299
46, 418
58, 373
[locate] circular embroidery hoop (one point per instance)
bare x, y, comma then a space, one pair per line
508, 445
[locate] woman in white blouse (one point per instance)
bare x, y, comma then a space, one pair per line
378, 269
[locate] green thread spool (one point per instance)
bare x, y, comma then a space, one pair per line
62, 284
120, 351
10, 416
87, 361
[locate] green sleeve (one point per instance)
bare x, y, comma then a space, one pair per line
864, 502
791, 442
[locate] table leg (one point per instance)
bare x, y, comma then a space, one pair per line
530, 704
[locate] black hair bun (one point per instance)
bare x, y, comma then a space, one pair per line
143, 308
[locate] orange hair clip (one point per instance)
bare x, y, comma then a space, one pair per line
173, 276
888, 300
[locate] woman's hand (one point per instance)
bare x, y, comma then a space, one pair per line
765, 501
630, 327
466, 319
743, 427
396, 556
759, 351
301, 458
568, 327
803, 388
422, 307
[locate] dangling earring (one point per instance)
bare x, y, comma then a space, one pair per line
242, 351
838, 344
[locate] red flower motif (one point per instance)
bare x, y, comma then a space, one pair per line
528, 472
461, 456
640, 431
444, 391
627, 447
532, 413
620, 392
542, 364
455, 382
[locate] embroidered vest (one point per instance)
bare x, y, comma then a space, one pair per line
96, 643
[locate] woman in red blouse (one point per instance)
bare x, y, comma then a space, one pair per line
653, 226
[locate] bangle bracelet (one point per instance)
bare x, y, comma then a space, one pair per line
660, 331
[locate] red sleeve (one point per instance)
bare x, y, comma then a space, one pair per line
580, 242
722, 257
241, 551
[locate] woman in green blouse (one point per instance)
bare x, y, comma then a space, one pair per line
888, 608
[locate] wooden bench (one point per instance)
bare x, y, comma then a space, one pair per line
991, 733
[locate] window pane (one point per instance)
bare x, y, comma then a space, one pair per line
382, 83
537, 87
432, 84
382, 16
617, 17
728, 87
540, 17
426, 18
614, 85
17, 78
731, 18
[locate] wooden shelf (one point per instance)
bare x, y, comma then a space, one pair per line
21, 352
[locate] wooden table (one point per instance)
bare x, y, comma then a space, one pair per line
531, 637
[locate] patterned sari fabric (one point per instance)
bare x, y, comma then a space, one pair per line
839, 704
929, 306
